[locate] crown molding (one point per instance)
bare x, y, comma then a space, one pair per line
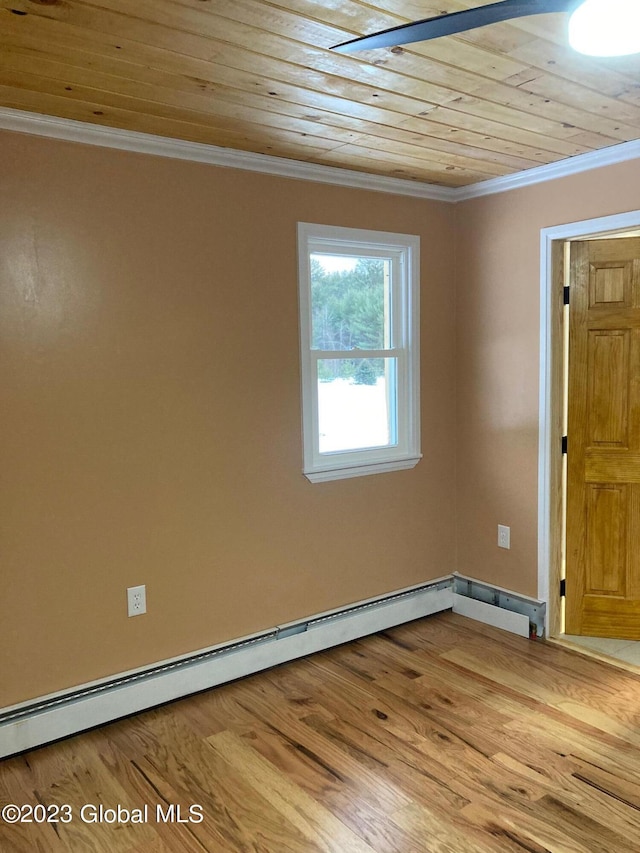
146, 143
621, 153
70, 130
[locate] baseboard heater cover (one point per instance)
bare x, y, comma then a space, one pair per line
48, 719
501, 608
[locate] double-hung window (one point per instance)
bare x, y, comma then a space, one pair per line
359, 335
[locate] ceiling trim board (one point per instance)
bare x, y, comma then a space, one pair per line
70, 130
147, 143
621, 153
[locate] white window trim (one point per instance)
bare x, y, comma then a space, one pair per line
405, 248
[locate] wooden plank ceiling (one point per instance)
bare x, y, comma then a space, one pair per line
258, 76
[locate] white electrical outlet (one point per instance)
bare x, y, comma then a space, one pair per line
136, 600
504, 536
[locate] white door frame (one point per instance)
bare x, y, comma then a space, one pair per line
572, 230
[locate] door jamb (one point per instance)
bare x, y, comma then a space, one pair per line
550, 398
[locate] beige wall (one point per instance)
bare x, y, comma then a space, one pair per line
498, 322
150, 427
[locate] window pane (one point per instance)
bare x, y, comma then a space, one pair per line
350, 304
357, 403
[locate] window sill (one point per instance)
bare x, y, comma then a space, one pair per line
343, 473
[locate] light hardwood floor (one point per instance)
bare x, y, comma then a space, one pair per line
441, 736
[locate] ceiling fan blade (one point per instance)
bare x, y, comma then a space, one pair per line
456, 22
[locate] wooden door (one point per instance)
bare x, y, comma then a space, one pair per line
603, 485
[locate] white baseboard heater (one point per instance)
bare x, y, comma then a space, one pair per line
59, 715
50, 718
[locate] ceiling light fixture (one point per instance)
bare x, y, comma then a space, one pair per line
606, 27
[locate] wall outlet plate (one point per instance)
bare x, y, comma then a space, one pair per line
504, 536
136, 600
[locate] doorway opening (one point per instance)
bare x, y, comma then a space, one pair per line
555, 421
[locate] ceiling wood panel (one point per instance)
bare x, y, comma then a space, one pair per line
258, 76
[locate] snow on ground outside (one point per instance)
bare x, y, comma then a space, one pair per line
352, 416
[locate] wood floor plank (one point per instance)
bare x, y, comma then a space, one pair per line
554, 696
238, 817
448, 834
356, 804
315, 822
558, 737
15, 790
350, 771
441, 736
539, 838
88, 784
